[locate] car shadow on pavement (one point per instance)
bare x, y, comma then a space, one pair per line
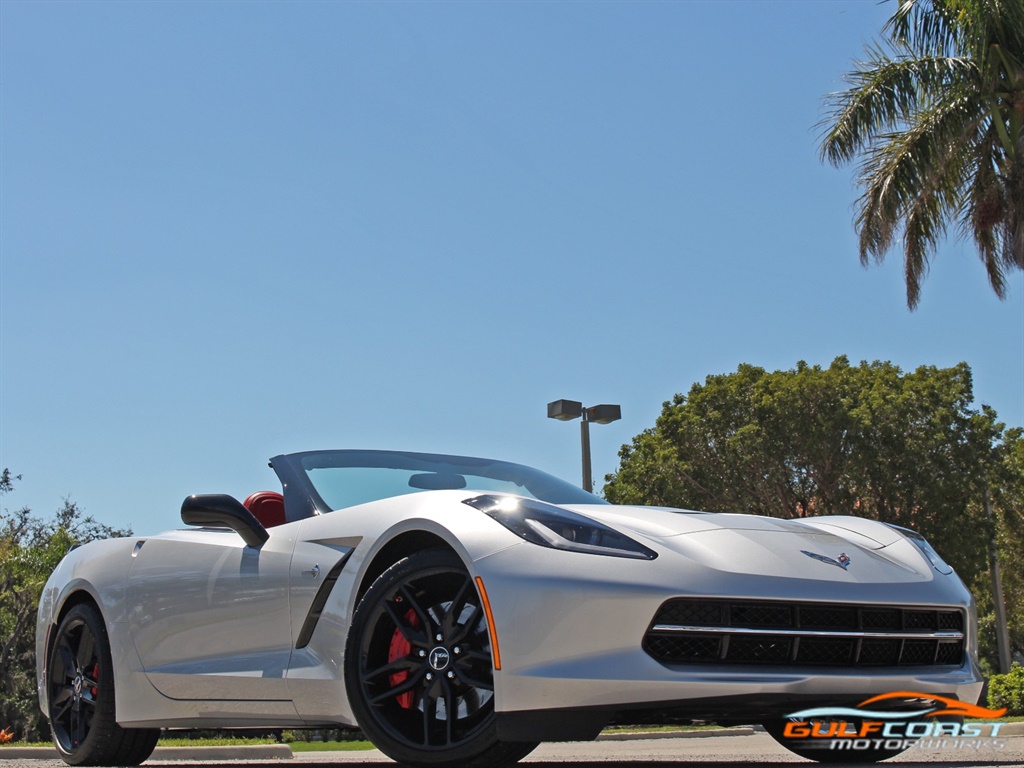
632, 763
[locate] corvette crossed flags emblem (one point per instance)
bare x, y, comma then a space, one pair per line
843, 561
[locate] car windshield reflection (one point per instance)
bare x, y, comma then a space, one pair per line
347, 478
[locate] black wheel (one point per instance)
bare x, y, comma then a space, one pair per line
80, 692
418, 668
818, 748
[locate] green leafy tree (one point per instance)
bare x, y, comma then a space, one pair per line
30, 549
1008, 529
936, 114
867, 440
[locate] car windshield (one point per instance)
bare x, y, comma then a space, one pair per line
346, 478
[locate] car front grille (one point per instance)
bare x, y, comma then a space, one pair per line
707, 631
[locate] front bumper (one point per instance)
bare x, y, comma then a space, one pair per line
571, 626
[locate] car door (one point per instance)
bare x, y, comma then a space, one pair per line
210, 615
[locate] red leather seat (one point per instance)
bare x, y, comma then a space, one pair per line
267, 507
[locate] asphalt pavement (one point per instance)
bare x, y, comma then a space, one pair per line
744, 747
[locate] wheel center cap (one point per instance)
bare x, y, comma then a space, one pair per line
78, 685
439, 658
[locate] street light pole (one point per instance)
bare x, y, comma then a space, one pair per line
588, 475
566, 410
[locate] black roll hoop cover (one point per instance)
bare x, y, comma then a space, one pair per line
219, 510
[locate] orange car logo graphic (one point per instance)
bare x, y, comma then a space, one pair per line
952, 706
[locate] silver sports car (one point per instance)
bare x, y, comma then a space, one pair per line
461, 610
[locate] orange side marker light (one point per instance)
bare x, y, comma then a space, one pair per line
490, 622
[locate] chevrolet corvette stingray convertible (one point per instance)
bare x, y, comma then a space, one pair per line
460, 610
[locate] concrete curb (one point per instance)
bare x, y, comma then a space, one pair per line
239, 752
1012, 729
742, 730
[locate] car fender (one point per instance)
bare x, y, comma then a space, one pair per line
317, 669
99, 570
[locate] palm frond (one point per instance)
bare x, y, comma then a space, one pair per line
984, 208
924, 225
925, 24
945, 27
912, 178
1013, 231
936, 115
885, 94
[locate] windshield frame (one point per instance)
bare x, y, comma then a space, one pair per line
303, 499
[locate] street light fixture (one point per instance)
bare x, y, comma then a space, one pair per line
567, 410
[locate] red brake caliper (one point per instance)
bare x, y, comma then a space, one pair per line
400, 648
96, 677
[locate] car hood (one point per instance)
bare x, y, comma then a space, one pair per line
817, 547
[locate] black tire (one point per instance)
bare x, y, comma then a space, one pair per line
402, 681
818, 749
80, 696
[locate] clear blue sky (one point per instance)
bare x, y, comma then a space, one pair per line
234, 229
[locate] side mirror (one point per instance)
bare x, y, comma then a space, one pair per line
218, 510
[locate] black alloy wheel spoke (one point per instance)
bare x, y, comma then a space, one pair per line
450, 711
404, 664
411, 635
454, 610
472, 682
408, 684
83, 725
421, 614
77, 730
465, 630
58, 714
67, 658
471, 697
428, 705
470, 659
86, 649
472, 655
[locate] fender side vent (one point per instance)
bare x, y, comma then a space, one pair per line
319, 601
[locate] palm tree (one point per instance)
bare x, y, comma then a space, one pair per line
936, 114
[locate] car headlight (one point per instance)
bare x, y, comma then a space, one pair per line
925, 549
551, 526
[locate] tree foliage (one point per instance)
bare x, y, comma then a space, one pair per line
867, 440
1008, 509
936, 114
30, 549
1008, 691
